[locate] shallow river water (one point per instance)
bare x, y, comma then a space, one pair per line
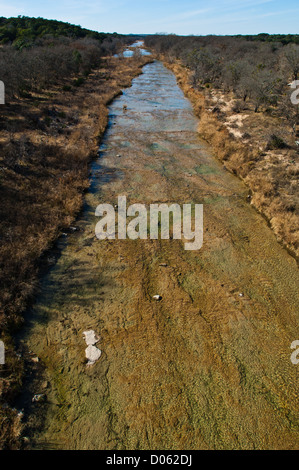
209, 365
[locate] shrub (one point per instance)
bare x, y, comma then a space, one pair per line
79, 81
66, 88
275, 142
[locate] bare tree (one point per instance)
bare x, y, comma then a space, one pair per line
263, 87
292, 57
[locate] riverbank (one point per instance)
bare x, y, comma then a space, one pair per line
47, 143
249, 146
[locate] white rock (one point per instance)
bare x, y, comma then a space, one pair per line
92, 353
157, 297
40, 397
90, 337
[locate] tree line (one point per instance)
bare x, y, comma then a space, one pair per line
24, 31
37, 53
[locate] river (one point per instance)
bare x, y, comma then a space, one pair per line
208, 366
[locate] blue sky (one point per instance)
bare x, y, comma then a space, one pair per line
170, 16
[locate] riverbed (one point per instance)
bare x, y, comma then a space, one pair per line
206, 367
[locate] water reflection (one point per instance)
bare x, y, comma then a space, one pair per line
130, 52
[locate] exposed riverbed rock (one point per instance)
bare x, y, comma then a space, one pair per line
157, 297
92, 353
39, 398
90, 337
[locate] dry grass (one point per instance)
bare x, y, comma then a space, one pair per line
46, 144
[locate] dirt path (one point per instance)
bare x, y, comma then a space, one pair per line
203, 368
